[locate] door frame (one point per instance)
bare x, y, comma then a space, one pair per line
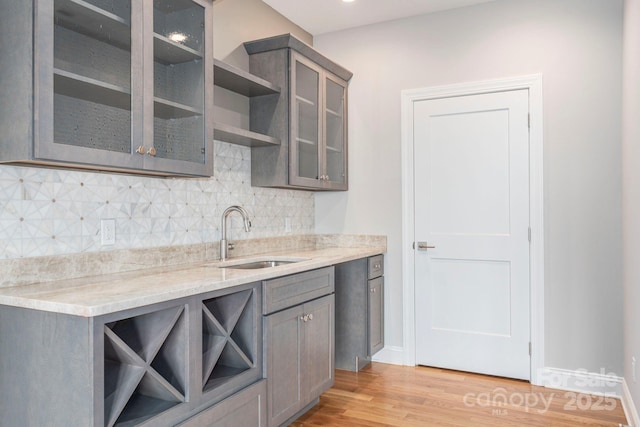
536, 205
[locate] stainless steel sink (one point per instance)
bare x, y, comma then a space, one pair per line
258, 264
254, 264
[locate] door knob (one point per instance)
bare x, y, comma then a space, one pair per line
423, 246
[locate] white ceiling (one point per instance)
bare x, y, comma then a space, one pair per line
324, 16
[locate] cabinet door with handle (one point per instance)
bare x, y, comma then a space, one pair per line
283, 335
84, 83
335, 133
299, 357
179, 96
306, 128
318, 347
376, 315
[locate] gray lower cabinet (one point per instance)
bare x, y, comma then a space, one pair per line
151, 366
359, 288
299, 345
122, 85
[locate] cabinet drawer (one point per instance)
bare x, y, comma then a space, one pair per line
376, 266
288, 291
247, 408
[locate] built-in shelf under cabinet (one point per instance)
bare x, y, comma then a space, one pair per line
243, 83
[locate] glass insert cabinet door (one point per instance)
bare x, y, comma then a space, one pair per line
318, 127
83, 86
306, 123
179, 81
335, 120
125, 84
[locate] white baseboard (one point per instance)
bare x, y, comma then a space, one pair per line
581, 381
391, 355
630, 409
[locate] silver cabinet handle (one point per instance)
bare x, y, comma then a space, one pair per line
310, 316
373, 290
423, 246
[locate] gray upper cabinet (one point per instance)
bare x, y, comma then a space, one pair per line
121, 85
309, 117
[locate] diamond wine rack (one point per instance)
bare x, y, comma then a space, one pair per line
144, 366
228, 338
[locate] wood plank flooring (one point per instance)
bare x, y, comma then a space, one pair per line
388, 395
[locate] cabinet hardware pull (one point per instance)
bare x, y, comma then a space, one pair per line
151, 152
140, 150
311, 317
373, 290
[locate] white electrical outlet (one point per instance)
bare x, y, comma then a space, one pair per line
108, 232
633, 368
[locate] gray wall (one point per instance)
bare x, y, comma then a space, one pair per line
631, 191
576, 46
238, 21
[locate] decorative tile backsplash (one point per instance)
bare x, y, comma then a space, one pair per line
54, 211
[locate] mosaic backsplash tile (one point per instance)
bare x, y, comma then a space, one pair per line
54, 211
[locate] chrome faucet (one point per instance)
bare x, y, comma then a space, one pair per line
224, 246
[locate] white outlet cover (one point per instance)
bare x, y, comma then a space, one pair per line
108, 232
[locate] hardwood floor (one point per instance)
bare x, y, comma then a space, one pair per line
388, 395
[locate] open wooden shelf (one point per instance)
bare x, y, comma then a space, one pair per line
234, 135
241, 82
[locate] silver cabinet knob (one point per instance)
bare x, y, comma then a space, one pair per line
310, 316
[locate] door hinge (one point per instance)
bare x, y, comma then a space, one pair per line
529, 348
529, 234
202, 150
529, 121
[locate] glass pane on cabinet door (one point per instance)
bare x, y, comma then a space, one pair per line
307, 114
92, 74
335, 131
178, 69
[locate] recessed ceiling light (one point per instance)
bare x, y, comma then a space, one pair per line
348, 1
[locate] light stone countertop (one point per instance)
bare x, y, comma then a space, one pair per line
99, 295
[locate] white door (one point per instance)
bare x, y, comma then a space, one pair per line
471, 163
